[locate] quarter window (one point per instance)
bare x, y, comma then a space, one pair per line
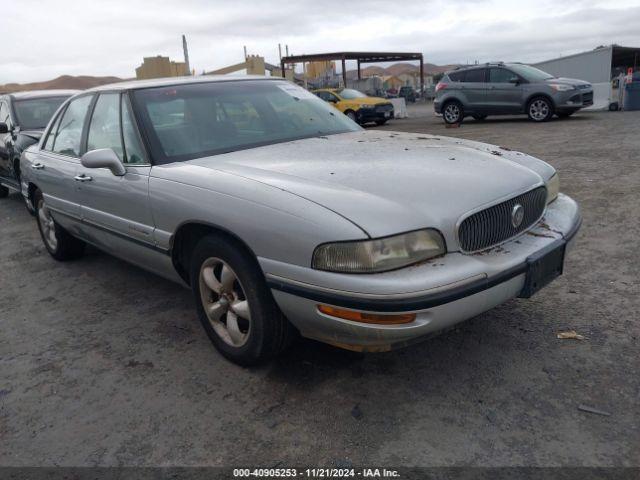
69, 133
104, 131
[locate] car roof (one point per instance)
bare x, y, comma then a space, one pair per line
169, 81
42, 94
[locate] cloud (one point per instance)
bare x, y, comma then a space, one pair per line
46, 38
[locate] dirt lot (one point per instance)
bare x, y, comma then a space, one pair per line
103, 364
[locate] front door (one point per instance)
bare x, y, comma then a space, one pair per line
504, 95
116, 207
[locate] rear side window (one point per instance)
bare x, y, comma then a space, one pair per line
68, 135
456, 76
475, 76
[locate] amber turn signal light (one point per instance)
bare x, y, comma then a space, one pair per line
367, 317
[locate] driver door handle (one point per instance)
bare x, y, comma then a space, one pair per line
82, 178
37, 166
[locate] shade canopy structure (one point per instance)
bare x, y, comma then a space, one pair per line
360, 57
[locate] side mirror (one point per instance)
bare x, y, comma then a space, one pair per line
4, 128
514, 80
103, 158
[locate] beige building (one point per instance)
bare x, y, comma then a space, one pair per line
320, 69
159, 67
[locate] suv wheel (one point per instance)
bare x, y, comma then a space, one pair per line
453, 112
58, 242
234, 304
540, 109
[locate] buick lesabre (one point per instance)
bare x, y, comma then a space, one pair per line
284, 216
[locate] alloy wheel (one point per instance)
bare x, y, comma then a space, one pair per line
539, 110
224, 302
48, 226
452, 113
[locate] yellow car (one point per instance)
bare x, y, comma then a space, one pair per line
358, 106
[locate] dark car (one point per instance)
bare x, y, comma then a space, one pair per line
408, 93
508, 89
23, 117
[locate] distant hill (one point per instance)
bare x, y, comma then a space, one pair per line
399, 69
63, 82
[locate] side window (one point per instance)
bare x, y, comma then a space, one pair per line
48, 144
323, 96
4, 113
133, 151
500, 75
332, 98
456, 76
104, 130
474, 76
69, 133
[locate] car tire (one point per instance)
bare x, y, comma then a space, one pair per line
4, 191
380, 122
352, 115
234, 304
452, 112
540, 109
479, 118
59, 243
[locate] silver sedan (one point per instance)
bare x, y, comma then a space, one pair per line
285, 217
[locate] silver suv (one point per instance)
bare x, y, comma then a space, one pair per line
508, 89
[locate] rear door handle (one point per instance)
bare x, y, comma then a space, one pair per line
37, 166
82, 178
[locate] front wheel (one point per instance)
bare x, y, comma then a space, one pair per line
58, 242
540, 109
453, 113
234, 304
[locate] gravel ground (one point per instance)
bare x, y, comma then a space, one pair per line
104, 364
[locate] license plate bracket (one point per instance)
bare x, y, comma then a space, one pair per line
543, 267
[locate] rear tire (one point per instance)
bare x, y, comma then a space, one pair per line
540, 109
234, 304
59, 243
4, 192
452, 112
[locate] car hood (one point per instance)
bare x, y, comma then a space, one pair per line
388, 182
568, 81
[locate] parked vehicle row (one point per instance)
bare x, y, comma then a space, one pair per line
23, 117
507, 89
285, 217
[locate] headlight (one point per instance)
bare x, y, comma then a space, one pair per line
379, 255
553, 188
561, 87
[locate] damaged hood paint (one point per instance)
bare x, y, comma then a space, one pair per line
388, 182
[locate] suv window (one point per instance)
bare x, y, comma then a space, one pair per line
69, 133
476, 75
104, 130
500, 75
456, 76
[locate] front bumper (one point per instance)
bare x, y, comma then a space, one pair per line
367, 115
574, 100
441, 292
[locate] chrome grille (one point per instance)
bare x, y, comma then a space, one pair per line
493, 225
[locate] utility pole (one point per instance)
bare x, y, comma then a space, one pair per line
186, 54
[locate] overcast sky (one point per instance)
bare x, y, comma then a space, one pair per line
46, 38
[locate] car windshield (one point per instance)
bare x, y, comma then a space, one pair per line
195, 120
530, 74
35, 113
351, 94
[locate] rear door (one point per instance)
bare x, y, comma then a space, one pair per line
115, 208
503, 95
56, 164
474, 87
